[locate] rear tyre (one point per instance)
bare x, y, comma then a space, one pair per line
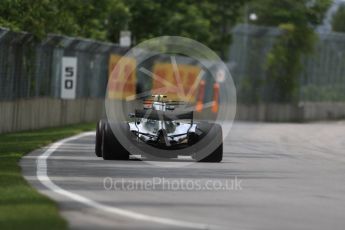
111, 147
216, 156
98, 142
214, 136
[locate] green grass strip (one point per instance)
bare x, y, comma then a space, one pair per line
21, 206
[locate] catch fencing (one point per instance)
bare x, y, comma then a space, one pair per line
31, 69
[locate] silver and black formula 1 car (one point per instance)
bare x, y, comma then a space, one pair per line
159, 131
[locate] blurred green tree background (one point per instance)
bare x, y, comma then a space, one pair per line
338, 21
207, 21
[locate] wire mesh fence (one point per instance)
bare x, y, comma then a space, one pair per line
323, 78
33, 69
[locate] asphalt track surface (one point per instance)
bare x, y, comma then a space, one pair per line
284, 176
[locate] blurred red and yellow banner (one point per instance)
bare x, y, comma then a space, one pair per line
122, 77
178, 83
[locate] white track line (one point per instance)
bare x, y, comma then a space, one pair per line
43, 177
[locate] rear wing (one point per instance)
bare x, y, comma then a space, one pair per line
163, 115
